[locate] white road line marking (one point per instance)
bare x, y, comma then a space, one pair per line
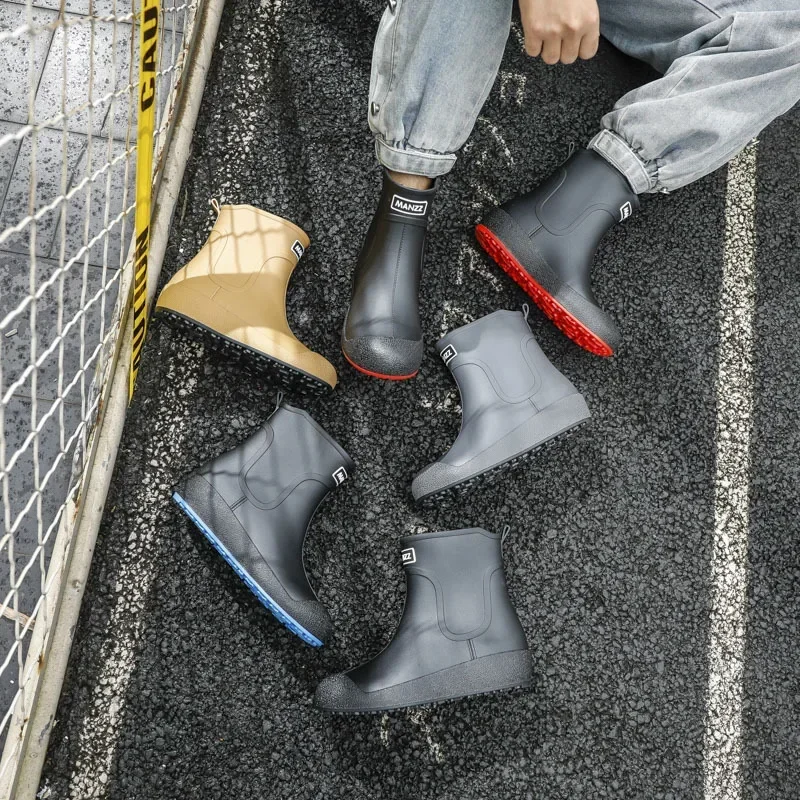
453, 317
518, 33
470, 260
722, 751
515, 81
100, 727
385, 729
495, 131
417, 716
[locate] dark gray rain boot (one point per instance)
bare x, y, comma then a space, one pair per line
546, 241
459, 634
382, 336
254, 504
513, 401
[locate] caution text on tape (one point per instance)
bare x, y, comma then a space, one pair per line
148, 49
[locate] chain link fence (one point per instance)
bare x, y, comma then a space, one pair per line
67, 196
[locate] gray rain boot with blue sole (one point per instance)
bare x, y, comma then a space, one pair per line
254, 504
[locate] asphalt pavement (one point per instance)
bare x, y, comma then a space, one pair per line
181, 685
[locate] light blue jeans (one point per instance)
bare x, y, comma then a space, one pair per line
728, 68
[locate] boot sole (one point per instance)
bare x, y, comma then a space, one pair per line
490, 235
279, 613
365, 371
503, 672
262, 364
562, 423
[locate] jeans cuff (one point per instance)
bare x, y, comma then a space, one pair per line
400, 157
641, 175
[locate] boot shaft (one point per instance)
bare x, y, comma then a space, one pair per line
275, 480
465, 568
245, 242
389, 268
578, 203
401, 218
382, 336
405, 205
585, 195
245, 265
497, 362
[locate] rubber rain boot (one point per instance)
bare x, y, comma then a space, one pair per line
513, 402
546, 241
382, 336
459, 634
232, 295
254, 504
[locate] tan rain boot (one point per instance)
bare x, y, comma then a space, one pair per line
232, 294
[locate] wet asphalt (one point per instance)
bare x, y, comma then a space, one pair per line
181, 685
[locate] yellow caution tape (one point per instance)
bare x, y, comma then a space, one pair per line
148, 47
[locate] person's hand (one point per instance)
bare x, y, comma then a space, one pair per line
560, 30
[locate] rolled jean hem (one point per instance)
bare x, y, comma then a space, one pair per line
642, 177
413, 162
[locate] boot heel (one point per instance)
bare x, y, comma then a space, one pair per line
588, 326
496, 673
558, 418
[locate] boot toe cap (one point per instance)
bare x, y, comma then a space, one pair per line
311, 614
383, 356
338, 693
432, 479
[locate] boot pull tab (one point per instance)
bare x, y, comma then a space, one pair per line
572, 148
214, 203
504, 534
278, 401
526, 310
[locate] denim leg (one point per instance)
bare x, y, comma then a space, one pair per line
433, 65
730, 67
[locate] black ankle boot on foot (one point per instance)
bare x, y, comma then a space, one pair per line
382, 336
546, 241
459, 634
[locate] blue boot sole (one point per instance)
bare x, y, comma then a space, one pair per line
285, 619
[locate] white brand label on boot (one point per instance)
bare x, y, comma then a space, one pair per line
625, 210
415, 208
409, 556
298, 249
340, 476
448, 354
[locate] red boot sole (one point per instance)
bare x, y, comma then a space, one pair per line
371, 374
559, 315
